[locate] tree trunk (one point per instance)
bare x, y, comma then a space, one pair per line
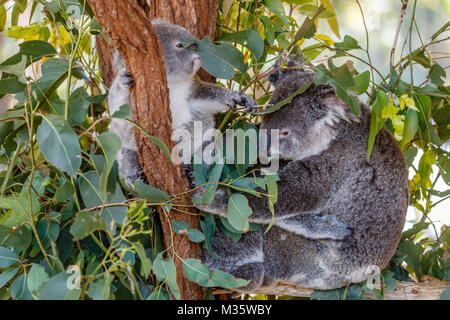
127, 24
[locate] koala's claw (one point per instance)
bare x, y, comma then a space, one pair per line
242, 100
249, 102
125, 79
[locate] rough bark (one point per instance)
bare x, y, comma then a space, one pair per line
431, 290
127, 24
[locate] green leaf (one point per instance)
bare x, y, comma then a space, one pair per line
17, 69
15, 237
2, 18
287, 100
101, 288
276, 7
146, 264
36, 49
110, 144
376, 120
354, 292
349, 43
389, 280
7, 275
220, 60
19, 289
249, 38
151, 194
436, 73
85, 223
414, 230
92, 197
59, 144
60, 287
308, 28
214, 176
180, 226
36, 277
20, 208
362, 82
410, 127
440, 30
310, 9
223, 279
160, 144
26, 32
48, 231
65, 192
443, 161
413, 254
11, 85
78, 106
123, 112
268, 29
195, 235
199, 170
238, 211
208, 226
12, 114
342, 79
272, 191
164, 270
194, 270
419, 56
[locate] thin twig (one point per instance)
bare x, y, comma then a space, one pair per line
397, 32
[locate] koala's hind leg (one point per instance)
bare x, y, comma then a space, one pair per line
243, 259
313, 226
129, 167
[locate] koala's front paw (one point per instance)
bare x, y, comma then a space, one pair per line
216, 206
125, 80
241, 99
312, 226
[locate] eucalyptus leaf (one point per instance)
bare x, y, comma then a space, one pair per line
60, 287
238, 212
220, 60
164, 270
8, 258
249, 38
59, 144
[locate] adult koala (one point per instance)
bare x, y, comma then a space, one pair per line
339, 217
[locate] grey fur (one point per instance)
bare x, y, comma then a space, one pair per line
190, 98
325, 183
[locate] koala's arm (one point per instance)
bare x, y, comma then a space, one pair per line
127, 158
300, 190
313, 226
212, 98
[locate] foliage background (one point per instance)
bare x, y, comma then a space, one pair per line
59, 182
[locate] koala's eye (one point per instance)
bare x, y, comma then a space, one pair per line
285, 133
179, 45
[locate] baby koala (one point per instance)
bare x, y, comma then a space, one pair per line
339, 217
190, 98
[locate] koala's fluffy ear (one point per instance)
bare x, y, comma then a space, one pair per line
290, 62
339, 108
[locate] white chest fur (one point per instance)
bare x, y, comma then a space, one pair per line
179, 93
